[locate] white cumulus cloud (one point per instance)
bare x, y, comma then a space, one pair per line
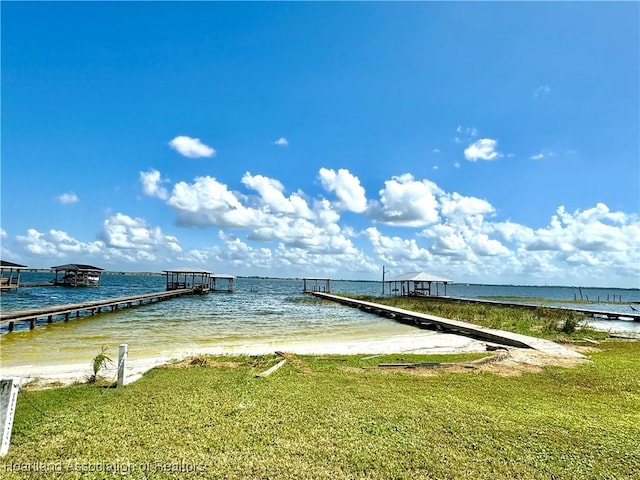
151, 181
67, 198
407, 202
281, 142
445, 233
399, 252
207, 202
482, 149
271, 192
541, 155
458, 208
121, 231
347, 188
191, 147
56, 243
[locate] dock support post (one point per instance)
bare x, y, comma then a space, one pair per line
50, 319
8, 397
32, 324
10, 329
66, 317
122, 363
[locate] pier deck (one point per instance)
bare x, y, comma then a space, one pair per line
68, 310
455, 326
635, 316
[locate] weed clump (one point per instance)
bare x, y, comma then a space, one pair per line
200, 360
557, 321
100, 362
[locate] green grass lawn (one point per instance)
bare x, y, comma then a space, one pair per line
339, 418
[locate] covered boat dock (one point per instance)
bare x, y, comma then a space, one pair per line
222, 282
10, 274
188, 278
316, 284
77, 275
417, 284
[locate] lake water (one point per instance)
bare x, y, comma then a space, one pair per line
258, 316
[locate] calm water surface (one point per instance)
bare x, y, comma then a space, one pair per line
260, 312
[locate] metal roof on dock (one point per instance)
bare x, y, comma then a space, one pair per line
15, 266
223, 275
419, 277
188, 270
78, 267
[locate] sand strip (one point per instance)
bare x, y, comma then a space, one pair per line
44, 374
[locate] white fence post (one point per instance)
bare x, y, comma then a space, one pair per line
8, 397
122, 363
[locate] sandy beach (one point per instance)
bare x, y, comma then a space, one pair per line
43, 374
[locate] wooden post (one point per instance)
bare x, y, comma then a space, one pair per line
123, 350
384, 272
8, 397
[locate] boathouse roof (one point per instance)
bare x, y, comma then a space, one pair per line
78, 267
222, 275
187, 270
15, 266
419, 277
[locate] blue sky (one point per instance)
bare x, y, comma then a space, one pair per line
485, 142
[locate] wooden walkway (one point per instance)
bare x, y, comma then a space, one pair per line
455, 326
74, 310
635, 316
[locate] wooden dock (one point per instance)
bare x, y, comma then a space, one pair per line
456, 327
635, 316
74, 310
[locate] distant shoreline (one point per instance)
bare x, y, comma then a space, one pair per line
262, 277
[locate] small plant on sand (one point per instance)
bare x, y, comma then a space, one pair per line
100, 362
